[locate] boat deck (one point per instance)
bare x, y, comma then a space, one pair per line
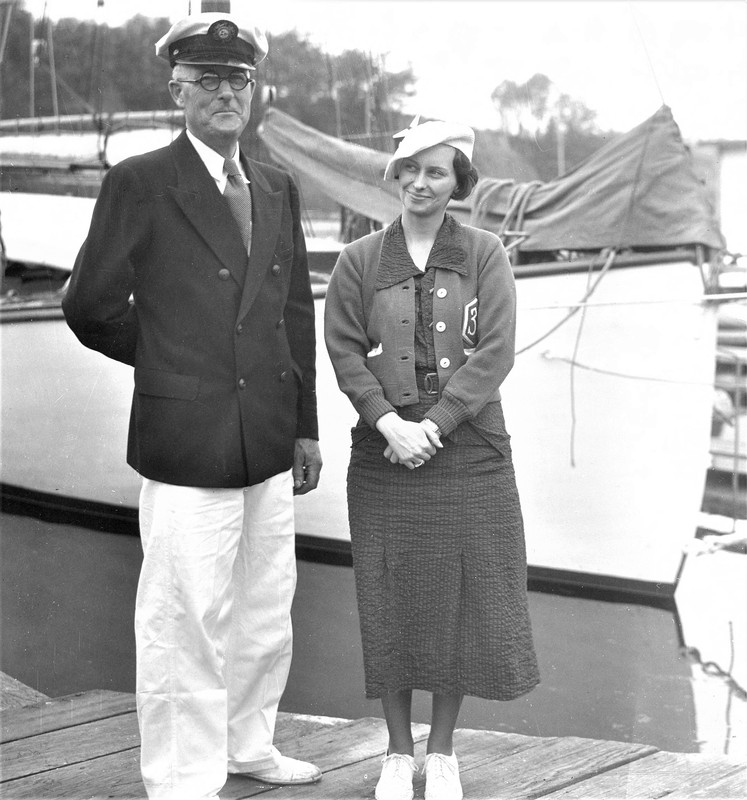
87, 746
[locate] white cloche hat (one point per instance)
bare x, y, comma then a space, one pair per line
428, 134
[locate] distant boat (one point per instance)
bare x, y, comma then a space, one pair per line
609, 404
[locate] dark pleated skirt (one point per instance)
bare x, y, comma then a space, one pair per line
440, 568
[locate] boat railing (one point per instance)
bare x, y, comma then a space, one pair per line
101, 123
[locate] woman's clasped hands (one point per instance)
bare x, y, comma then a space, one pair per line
408, 443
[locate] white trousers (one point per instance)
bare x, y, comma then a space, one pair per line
212, 630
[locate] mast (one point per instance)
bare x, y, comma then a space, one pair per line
32, 68
52, 69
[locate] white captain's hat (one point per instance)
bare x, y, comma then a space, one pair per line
213, 38
428, 134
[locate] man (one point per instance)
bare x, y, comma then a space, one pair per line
194, 271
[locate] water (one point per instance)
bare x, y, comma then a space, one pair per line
609, 670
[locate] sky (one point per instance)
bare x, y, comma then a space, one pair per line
621, 58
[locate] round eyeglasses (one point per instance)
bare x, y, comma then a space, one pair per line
211, 81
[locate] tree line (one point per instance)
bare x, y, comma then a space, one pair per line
80, 67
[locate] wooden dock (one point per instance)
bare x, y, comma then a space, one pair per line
86, 746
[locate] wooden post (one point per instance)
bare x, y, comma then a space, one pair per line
52, 69
221, 6
32, 70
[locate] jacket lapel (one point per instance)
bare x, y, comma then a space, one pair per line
267, 209
205, 208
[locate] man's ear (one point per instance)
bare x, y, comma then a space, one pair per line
176, 90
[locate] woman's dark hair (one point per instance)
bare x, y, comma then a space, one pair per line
466, 176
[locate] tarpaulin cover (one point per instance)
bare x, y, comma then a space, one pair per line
350, 174
640, 190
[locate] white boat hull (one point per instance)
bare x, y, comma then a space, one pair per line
611, 454
615, 494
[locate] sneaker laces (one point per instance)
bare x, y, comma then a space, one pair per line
439, 768
399, 761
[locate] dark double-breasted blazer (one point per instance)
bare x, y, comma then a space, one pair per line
223, 345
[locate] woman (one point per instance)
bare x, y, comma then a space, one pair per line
419, 324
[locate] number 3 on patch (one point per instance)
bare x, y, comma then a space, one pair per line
469, 324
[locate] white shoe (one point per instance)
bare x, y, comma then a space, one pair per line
442, 777
395, 782
286, 772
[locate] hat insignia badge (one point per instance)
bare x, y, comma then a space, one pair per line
223, 31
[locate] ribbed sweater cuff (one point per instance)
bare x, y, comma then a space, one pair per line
448, 413
373, 405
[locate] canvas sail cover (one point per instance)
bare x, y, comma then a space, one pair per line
350, 174
638, 191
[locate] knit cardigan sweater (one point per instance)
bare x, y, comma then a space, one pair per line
369, 320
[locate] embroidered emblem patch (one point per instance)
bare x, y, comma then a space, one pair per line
469, 324
223, 31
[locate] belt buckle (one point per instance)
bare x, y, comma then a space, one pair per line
430, 383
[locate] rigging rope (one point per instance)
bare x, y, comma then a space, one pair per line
519, 196
713, 669
629, 375
575, 309
518, 201
648, 56
725, 297
573, 373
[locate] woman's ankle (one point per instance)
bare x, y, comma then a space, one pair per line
402, 749
443, 746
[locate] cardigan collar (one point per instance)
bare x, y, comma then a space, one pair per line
396, 265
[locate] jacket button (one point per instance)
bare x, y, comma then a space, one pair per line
281, 323
224, 274
276, 269
283, 376
242, 383
441, 292
445, 363
440, 326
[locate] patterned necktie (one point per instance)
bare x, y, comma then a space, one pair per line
240, 200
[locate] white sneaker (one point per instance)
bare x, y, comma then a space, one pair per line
286, 772
442, 777
395, 782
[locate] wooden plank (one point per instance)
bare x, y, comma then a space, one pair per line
735, 786
14, 694
658, 775
112, 776
327, 742
345, 782
99, 758
290, 726
69, 746
118, 775
63, 712
76, 709
475, 750
356, 781
538, 766
331, 749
